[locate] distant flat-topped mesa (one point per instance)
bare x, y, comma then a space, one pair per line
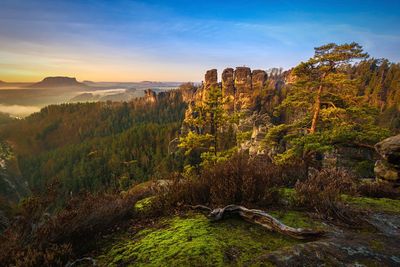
240, 87
53, 82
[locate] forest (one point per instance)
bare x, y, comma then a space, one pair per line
304, 146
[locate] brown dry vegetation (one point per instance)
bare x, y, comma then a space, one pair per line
240, 180
321, 192
40, 236
378, 189
37, 238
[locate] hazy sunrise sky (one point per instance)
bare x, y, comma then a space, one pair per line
178, 40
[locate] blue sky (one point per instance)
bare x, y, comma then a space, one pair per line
178, 40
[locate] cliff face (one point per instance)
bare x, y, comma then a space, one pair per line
241, 88
242, 91
243, 85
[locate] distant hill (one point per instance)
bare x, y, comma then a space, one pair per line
51, 82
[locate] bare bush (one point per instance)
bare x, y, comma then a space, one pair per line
240, 180
322, 192
378, 189
37, 238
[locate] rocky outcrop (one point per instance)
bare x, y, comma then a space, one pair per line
228, 82
255, 127
228, 89
259, 79
210, 79
243, 85
243, 80
388, 168
150, 96
188, 92
241, 88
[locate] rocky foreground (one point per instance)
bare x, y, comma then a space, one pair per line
191, 239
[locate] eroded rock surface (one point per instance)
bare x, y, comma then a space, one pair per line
259, 79
389, 149
150, 96
256, 126
388, 168
228, 89
243, 85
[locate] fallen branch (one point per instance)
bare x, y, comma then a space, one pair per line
261, 218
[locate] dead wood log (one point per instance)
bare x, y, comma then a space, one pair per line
263, 219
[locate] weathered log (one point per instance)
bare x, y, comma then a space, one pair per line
263, 219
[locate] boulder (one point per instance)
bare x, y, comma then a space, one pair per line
389, 149
386, 172
388, 168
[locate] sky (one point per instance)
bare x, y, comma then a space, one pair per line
177, 40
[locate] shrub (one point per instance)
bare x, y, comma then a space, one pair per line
239, 180
37, 238
321, 192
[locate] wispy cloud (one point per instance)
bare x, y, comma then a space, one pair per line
133, 40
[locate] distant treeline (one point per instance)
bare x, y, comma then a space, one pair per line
97, 146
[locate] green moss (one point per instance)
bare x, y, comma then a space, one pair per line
288, 194
196, 241
142, 204
375, 204
296, 219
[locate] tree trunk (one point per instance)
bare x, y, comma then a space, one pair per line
316, 111
261, 218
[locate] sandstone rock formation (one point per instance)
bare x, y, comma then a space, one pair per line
388, 168
210, 80
241, 90
150, 96
228, 89
259, 79
257, 126
228, 82
243, 85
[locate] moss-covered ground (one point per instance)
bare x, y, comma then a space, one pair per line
375, 204
195, 241
192, 240
366, 203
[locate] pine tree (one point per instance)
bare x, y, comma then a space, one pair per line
206, 126
325, 71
